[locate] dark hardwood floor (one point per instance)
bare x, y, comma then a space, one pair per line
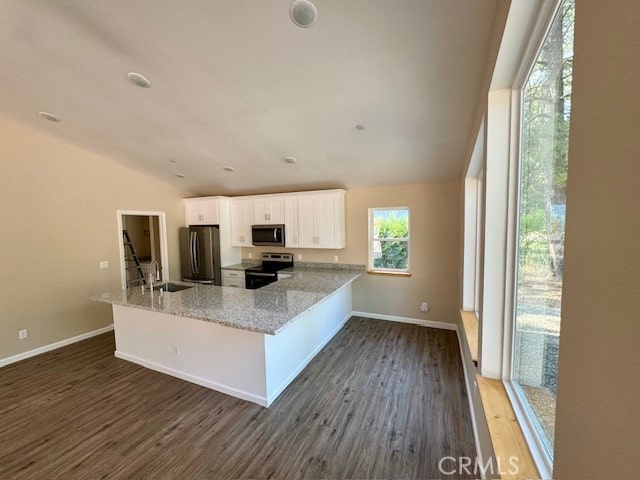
382, 400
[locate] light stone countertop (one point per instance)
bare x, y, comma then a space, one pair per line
266, 310
243, 265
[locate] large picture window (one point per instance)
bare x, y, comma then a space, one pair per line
546, 107
389, 239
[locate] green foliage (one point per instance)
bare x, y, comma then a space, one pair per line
546, 111
393, 227
394, 253
534, 222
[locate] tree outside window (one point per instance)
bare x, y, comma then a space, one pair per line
389, 239
546, 109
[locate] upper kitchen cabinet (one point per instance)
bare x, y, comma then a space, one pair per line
268, 209
202, 211
321, 219
241, 221
291, 221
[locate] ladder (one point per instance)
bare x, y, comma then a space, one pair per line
132, 256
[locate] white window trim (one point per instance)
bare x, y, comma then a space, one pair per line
162, 233
472, 228
371, 239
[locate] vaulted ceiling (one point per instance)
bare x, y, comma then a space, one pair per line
236, 83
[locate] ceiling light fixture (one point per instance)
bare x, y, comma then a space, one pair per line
227, 168
49, 116
139, 79
171, 160
303, 13
359, 127
290, 159
180, 175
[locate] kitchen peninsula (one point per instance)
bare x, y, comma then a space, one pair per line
250, 344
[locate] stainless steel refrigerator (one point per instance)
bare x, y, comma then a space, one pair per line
200, 255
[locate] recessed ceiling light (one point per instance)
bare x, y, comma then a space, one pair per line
228, 168
171, 160
139, 79
303, 13
359, 127
180, 175
49, 116
290, 159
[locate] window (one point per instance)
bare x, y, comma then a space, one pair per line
545, 114
389, 239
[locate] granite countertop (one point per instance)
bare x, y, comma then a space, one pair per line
242, 266
266, 310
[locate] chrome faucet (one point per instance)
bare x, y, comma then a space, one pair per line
151, 274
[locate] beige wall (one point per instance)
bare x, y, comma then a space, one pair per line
435, 238
58, 219
598, 417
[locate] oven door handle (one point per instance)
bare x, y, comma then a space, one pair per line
256, 274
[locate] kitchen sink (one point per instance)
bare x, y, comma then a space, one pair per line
171, 287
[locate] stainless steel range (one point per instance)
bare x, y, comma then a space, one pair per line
267, 273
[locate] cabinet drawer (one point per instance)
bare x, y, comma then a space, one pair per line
233, 274
233, 282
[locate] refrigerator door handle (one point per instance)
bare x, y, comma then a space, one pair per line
192, 253
196, 244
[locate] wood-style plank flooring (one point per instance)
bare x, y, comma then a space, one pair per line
381, 400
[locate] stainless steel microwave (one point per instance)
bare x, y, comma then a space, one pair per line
272, 235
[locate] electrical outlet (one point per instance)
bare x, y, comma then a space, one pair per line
250, 255
176, 349
104, 264
424, 307
299, 256
22, 334
335, 258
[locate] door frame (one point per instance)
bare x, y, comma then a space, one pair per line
162, 233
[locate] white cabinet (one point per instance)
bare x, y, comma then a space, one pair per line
268, 209
233, 278
311, 219
214, 211
241, 221
291, 221
202, 211
321, 219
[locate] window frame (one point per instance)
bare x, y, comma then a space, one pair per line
527, 28
528, 420
371, 239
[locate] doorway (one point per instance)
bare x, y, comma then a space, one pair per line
143, 241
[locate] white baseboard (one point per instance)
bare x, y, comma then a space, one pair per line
306, 361
415, 321
234, 392
54, 346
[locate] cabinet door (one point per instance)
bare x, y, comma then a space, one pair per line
268, 210
321, 220
241, 221
307, 237
291, 221
326, 224
194, 214
333, 222
202, 212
